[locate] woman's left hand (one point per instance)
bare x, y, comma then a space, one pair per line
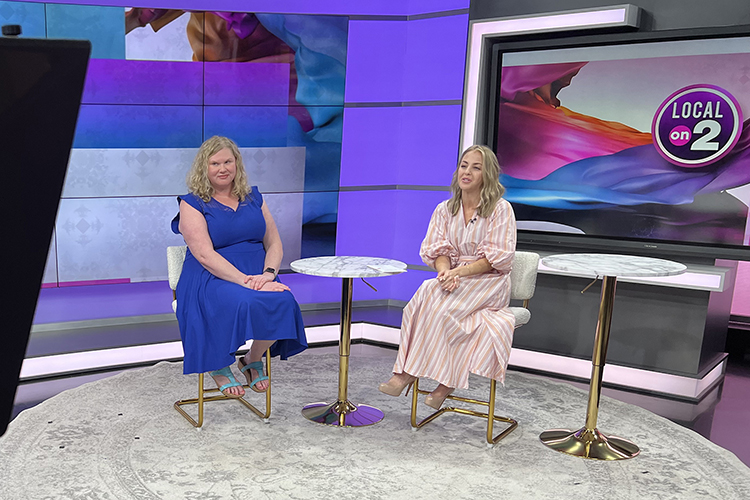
257, 281
449, 280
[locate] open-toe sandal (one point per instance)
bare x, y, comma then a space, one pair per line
227, 372
258, 367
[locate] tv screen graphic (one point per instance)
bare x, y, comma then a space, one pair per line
643, 142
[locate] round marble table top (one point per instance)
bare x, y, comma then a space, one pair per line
599, 264
348, 267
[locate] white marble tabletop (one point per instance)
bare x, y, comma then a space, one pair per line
599, 264
348, 267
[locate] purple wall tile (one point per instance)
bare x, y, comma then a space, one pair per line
426, 6
429, 145
248, 126
375, 61
366, 223
238, 84
414, 209
313, 289
389, 224
119, 81
404, 285
435, 58
413, 145
370, 153
80, 303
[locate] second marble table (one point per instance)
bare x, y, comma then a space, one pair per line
343, 412
589, 442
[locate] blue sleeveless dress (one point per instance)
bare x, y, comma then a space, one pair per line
216, 317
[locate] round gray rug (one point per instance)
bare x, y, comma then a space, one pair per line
120, 438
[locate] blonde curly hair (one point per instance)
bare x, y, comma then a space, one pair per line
491, 191
197, 178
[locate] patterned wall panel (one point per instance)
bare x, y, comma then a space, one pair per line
50, 268
94, 173
114, 238
125, 238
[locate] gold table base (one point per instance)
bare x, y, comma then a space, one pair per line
588, 442
342, 412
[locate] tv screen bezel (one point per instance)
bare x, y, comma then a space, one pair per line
489, 92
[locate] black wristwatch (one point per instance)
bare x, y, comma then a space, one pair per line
271, 270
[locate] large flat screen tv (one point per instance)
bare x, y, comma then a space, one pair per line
630, 142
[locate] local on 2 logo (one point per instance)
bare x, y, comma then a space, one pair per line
697, 125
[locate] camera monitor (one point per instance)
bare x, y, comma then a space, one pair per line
40, 94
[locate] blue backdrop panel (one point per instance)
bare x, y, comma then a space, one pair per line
248, 126
30, 16
103, 26
113, 126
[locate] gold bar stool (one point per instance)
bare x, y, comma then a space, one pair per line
175, 260
523, 284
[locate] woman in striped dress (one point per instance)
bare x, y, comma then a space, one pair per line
459, 322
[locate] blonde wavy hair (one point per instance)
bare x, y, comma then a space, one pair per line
197, 178
491, 191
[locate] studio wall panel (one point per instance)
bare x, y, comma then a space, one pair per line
248, 126
370, 150
366, 223
413, 212
376, 61
114, 238
429, 145
435, 58
411, 145
104, 27
247, 84
122, 172
30, 16
115, 81
133, 126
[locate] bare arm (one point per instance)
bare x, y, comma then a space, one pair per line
274, 251
195, 231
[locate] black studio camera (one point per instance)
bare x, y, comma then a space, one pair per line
41, 82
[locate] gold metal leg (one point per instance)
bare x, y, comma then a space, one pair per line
589, 442
490, 415
342, 412
221, 397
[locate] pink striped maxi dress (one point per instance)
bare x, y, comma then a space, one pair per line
444, 336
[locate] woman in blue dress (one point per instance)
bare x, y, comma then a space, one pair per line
228, 292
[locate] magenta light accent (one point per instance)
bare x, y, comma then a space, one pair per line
50, 285
542, 23
118, 281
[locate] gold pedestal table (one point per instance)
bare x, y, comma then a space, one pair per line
589, 442
342, 412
